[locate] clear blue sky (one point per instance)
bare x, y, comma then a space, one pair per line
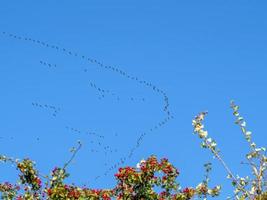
201, 54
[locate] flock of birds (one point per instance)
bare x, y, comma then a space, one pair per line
55, 110
98, 140
106, 92
47, 64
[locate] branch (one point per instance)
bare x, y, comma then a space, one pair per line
74, 152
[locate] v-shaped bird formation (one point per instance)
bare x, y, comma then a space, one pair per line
98, 142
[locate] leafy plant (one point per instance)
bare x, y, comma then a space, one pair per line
132, 183
244, 187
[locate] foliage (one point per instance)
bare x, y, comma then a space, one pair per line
133, 183
244, 187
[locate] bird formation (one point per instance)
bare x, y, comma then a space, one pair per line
75, 130
48, 64
99, 142
103, 93
135, 147
55, 110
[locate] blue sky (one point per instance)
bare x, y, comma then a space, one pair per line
199, 54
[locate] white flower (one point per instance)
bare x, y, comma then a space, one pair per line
138, 165
243, 124
209, 140
213, 144
253, 145
203, 134
248, 133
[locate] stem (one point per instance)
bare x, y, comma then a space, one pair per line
73, 156
222, 161
227, 168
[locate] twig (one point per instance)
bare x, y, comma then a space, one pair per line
74, 152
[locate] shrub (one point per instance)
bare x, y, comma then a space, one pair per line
244, 187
